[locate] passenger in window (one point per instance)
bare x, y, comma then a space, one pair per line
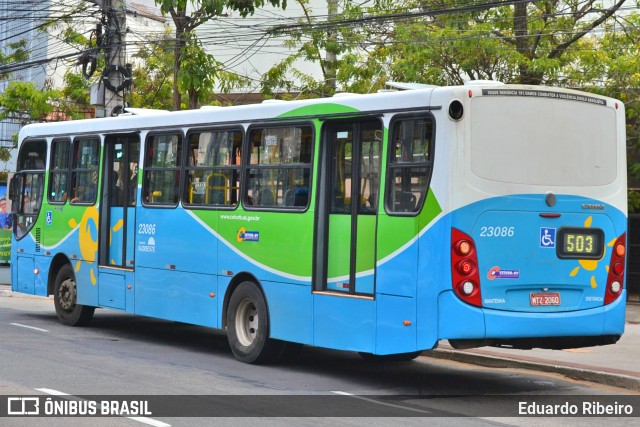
88, 194
133, 183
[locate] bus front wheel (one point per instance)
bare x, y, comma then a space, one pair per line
65, 296
248, 326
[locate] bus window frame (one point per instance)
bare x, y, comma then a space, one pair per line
74, 170
51, 170
187, 168
146, 169
18, 185
247, 166
391, 153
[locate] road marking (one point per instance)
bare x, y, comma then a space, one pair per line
377, 402
144, 420
29, 327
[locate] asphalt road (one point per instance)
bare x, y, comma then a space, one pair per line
135, 357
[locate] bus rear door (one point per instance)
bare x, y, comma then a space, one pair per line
345, 261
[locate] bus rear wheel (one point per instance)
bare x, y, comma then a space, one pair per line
248, 327
65, 296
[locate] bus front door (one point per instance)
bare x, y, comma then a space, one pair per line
347, 212
117, 220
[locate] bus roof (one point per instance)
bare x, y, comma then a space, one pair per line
415, 97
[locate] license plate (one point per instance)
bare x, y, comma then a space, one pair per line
549, 298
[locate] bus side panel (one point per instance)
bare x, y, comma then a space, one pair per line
397, 275
173, 239
433, 278
457, 319
177, 295
112, 292
86, 282
344, 323
396, 319
25, 279
290, 311
40, 282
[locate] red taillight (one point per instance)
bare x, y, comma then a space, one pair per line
464, 271
615, 279
466, 267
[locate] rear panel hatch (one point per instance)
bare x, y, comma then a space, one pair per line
532, 261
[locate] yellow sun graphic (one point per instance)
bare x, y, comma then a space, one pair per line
87, 229
591, 264
88, 246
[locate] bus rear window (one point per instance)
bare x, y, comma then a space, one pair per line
543, 142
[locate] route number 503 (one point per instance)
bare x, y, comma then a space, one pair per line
497, 231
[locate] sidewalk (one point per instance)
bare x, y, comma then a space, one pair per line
616, 365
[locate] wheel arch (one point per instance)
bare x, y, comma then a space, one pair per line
59, 261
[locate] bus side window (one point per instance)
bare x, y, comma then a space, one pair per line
59, 170
162, 170
84, 176
213, 167
410, 164
279, 167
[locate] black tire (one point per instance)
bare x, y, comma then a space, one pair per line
399, 357
248, 327
64, 297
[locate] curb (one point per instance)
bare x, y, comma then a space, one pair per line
600, 377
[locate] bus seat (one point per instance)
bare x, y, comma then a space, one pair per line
405, 201
301, 196
155, 195
266, 198
289, 197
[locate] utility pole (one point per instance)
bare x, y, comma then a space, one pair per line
330, 56
116, 76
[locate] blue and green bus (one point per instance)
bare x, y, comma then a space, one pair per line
483, 214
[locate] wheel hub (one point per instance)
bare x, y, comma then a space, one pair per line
247, 322
67, 295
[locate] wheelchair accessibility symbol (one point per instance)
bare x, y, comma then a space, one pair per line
547, 237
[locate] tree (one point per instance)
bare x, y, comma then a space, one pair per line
153, 75
444, 42
17, 53
187, 15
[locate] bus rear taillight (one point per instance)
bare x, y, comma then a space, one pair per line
464, 270
615, 278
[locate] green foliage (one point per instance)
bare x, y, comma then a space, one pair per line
206, 9
153, 75
18, 52
198, 70
187, 15
24, 101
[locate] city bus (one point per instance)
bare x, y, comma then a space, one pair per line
484, 214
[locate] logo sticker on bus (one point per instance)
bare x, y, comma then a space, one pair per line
148, 246
248, 236
547, 237
496, 273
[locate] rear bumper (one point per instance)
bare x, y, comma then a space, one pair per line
458, 320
